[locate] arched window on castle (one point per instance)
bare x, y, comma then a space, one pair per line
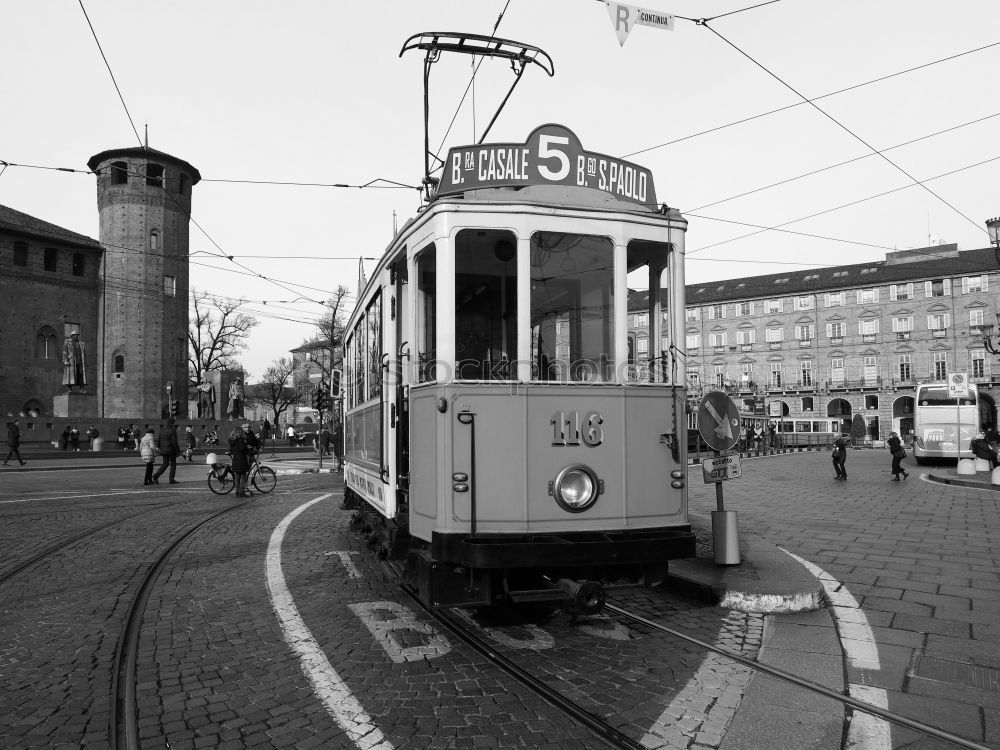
45, 343
119, 360
119, 173
154, 240
154, 175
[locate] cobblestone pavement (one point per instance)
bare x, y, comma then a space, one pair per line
223, 664
919, 558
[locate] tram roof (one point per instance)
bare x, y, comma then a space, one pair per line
564, 196
922, 264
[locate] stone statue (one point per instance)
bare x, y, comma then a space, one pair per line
235, 408
74, 363
206, 400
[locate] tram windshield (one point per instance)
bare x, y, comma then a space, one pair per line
485, 304
572, 308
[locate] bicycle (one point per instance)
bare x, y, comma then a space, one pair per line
222, 480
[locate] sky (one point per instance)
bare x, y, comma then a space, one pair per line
899, 147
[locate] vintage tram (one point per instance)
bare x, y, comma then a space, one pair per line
500, 439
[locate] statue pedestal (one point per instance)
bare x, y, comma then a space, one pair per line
74, 405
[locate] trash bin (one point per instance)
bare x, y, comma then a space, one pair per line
726, 536
97, 444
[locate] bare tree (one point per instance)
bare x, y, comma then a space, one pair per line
325, 346
217, 334
275, 389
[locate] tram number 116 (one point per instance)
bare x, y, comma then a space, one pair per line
569, 429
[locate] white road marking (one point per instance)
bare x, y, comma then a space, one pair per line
348, 563
866, 732
708, 702
384, 619
329, 687
83, 497
538, 640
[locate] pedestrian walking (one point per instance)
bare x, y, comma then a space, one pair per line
64, 439
758, 437
135, 437
74, 438
324, 441
898, 454
14, 442
92, 435
240, 453
840, 457
290, 433
167, 443
122, 434
147, 450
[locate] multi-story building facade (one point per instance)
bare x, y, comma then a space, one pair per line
125, 295
810, 349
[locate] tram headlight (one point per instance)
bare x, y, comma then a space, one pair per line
576, 488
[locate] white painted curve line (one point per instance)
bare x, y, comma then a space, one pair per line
866, 732
332, 691
706, 705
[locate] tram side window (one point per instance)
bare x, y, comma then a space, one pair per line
648, 269
373, 325
572, 308
426, 323
485, 304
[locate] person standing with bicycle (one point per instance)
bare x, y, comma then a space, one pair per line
240, 452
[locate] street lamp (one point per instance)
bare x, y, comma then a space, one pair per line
993, 228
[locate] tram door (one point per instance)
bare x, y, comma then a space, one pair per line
398, 392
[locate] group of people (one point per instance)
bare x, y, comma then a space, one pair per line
243, 445
896, 450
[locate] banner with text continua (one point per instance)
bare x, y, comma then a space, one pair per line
552, 155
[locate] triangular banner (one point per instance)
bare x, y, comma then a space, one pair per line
624, 17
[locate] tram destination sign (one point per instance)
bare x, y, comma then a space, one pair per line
552, 155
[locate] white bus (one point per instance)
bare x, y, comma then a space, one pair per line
938, 418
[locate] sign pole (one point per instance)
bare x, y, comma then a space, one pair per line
719, 425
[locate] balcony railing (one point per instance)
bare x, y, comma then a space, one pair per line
775, 344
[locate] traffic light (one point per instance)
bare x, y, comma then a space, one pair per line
319, 398
175, 407
316, 398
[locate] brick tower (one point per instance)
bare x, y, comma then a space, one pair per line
144, 201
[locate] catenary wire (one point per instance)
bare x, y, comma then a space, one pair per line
839, 124
110, 72
760, 115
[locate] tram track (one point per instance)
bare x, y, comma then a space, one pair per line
617, 739
123, 730
610, 735
840, 697
63, 544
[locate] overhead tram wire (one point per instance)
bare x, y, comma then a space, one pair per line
704, 23
760, 115
839, 164
778, 227
465, 93
108, 65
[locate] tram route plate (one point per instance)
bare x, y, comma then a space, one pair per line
958, 673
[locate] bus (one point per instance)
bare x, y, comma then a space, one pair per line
938, 417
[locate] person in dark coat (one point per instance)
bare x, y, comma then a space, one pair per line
14, 442
64, 439
240, 452
74, 438
898, 454
324, 442
981, 449
166, 441
840, 457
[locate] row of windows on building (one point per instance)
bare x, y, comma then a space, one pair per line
897, 293
50, 259
902, 326
802, 374
155, 175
